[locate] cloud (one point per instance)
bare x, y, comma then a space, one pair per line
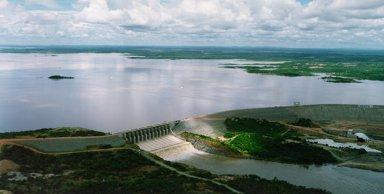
318, 23
48, 4
356, 4
98, 11
138, 28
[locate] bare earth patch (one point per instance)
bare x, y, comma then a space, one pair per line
8, 166
5, 192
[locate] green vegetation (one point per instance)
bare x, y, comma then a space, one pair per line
303, 122
337, 72
52, 132
375, 132
264, 140
118, 171
261, 126
335, 79
59, 77
273, 70
274, 141
247, 142
209, 145
275, 150
121, 171
229, 134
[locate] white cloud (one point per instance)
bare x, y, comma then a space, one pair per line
246, 22
356, 4
98, 11
50, 4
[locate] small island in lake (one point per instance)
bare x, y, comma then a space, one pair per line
335, 79
59, 77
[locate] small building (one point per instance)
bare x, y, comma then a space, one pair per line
366, 106
361, 137
350, 133
296, 103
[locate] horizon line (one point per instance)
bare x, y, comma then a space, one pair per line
190, 46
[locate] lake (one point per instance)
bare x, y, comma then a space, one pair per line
112, 92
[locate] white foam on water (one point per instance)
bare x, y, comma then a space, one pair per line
170, 148
331, 143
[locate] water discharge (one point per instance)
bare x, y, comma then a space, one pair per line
331, 143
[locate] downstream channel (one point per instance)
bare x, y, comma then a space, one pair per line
329, 177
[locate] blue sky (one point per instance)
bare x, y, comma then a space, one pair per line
281, 23
304, 2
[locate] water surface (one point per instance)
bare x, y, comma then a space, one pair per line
112, 92
329, 177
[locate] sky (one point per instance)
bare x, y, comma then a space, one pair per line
276, 23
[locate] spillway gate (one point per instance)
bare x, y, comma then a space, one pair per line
150, 132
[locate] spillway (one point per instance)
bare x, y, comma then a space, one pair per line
168, 147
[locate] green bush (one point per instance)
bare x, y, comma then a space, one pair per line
229, 134
252, 125
247, 142
274, 141
303, 122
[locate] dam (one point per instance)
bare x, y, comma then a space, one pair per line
158, 139
150, 132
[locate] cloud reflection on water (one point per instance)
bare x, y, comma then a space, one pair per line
112, 92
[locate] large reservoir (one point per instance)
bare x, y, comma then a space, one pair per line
112, 92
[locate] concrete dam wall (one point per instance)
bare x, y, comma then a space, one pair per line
158, 139
150, 132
